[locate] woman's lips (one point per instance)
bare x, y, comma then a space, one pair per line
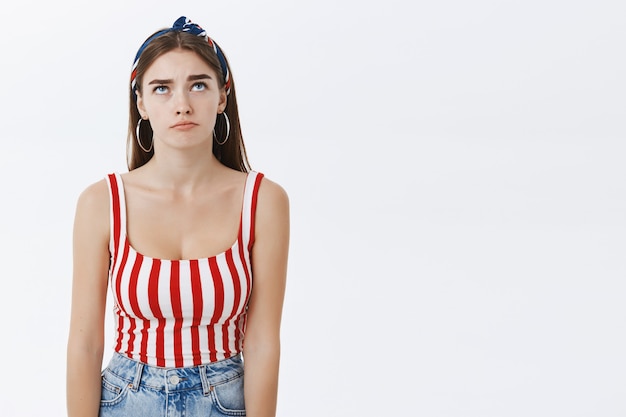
184, 126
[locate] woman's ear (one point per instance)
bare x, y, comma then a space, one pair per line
140, 106
223, 101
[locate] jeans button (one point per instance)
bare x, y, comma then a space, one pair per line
174, 379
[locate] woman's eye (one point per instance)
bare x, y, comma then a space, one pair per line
199, 87
160, 89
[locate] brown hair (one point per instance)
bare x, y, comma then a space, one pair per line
233, 152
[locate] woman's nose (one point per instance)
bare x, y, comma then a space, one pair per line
182, 104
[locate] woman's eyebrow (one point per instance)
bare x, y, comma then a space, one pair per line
198, 77
190, 78
160, 82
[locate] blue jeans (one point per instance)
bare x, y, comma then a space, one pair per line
134, 389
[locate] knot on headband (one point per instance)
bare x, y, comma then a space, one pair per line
183, 24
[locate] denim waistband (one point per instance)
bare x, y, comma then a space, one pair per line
207, 376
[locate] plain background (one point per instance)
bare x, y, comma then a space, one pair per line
456, 175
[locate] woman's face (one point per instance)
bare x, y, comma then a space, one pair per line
180, 95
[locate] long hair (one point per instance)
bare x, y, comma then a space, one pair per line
233, 152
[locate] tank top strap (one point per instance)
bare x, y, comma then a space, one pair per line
117, 213
249, 207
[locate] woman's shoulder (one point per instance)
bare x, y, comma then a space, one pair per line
95, 197
271, 190
271, 227
272, 200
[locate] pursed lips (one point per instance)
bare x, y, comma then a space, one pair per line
184, 125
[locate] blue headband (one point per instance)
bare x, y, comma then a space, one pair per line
182, 24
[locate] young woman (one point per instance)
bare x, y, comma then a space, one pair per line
193, 245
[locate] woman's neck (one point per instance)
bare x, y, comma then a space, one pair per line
183, 171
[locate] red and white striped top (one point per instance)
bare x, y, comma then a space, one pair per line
178, 313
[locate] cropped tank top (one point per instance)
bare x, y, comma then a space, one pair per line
179, 313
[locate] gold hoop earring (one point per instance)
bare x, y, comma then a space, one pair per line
139, 140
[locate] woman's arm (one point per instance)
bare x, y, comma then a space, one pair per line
269, 271
90, 269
